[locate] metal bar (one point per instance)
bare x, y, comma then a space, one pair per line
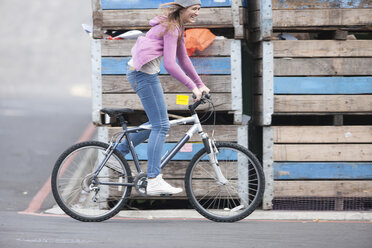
267, 163
117, 184
96, 80
238, 27
236, 80
174, 151
268, 82
266, 19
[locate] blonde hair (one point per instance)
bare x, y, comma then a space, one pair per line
172, 12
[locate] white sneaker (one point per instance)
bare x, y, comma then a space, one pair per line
157, 186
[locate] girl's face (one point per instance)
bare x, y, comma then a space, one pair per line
189, 14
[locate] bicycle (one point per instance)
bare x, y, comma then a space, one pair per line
91, 181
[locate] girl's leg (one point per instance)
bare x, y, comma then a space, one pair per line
150, 92
152, 97
137, 138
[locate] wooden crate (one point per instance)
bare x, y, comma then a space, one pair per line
219, 67
318, 76
290, 15
322, 161
119, 15
328, 77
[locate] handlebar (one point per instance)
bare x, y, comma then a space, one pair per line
205, 97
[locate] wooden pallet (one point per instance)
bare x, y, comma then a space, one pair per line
315, 15
317, 77
321, 161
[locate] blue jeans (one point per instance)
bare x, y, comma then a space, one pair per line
150, 92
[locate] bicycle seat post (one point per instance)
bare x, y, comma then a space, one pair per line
122, 122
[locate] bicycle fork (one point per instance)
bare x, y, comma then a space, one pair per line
212, 152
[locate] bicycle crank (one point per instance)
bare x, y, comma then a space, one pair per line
140, 182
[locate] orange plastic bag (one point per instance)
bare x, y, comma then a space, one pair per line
198, 38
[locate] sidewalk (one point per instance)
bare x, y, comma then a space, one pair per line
256, 215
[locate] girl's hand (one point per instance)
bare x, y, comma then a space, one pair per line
197, 93
204, 89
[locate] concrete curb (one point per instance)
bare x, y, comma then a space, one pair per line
256, 215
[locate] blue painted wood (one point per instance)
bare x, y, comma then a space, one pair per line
141, 150
154, 4
315, 171
316, 4
322, 85
208, 65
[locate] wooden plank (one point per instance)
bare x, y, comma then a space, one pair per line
323, 152
208, 65
154, 4
182, 155
322, 85
220, 47
320, 4
322, 134
320, 171
221, 132
323, 48
315, 18
323, 188
323, 67
322, 103
114, 48
177, 169
120, 84
222, 102
128, 19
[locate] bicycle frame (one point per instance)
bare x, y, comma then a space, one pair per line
196, 127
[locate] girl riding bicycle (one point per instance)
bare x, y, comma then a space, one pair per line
164, 40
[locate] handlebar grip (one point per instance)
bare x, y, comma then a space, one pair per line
204, 95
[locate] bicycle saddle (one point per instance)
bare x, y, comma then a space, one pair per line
116, 112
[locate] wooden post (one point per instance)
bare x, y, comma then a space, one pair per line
97, 19
238, 26
267, 99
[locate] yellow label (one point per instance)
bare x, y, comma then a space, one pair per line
182, 100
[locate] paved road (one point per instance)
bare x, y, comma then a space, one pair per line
21, 231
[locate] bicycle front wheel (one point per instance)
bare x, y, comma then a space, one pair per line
80, 195
230, 201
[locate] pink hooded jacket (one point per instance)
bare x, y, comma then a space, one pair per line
156, 44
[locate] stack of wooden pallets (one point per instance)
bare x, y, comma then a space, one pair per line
314, 99
219, 67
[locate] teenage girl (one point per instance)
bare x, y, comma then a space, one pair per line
163, 41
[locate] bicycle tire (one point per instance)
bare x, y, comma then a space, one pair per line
71, 182
233, 201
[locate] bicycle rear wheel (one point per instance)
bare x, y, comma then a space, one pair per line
79, 196
233, 201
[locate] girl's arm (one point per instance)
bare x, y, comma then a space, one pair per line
186, 64
170, 54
